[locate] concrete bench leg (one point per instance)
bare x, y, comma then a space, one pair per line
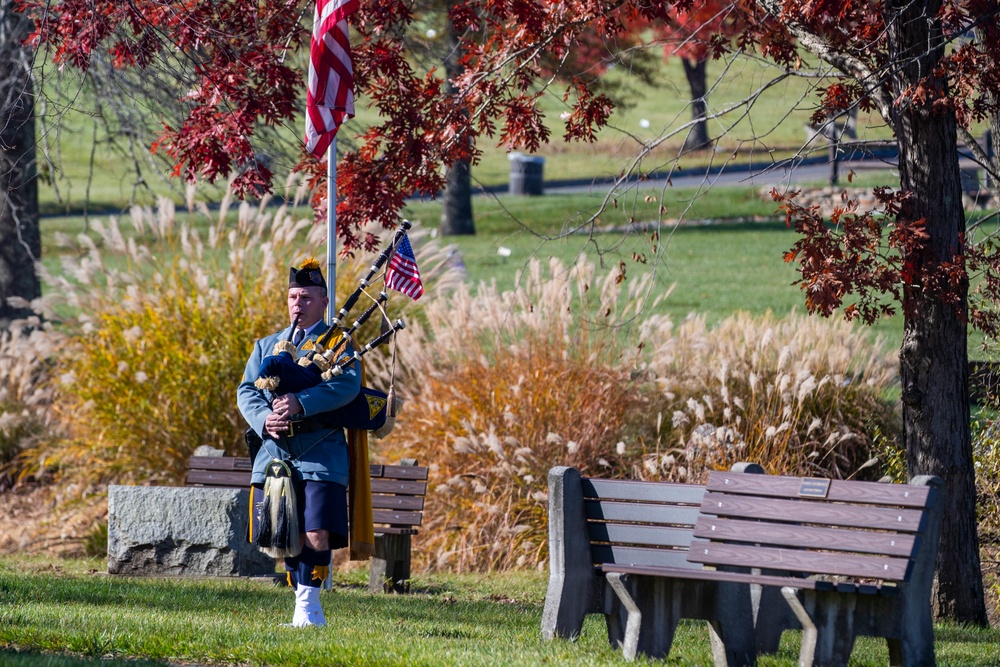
914, 647
572, 589
914, 650
390, 568
650, 634
643, 618
731, 627
827, 626
776, 617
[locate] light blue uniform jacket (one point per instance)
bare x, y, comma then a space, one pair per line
319, 455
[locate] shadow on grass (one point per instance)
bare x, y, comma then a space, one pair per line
162, 594
965, 634
10, 658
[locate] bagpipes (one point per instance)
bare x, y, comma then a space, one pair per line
283, 370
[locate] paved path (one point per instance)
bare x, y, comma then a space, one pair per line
808, 170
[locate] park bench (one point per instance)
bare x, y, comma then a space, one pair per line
848, 558
397, 509
595, 523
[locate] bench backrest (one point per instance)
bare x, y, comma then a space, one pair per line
224, 472
640, 523
398, 497
862, 530
397, 490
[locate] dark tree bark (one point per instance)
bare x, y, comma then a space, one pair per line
20, 240
456, 202
697, 78
933, 355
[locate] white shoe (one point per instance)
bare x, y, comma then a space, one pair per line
308, 610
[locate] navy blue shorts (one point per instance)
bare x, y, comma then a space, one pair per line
322, 506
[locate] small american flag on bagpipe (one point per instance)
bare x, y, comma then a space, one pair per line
402, 274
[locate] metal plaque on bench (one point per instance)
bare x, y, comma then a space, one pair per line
812, 487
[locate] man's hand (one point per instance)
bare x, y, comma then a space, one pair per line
287, 405
276, 425
284, 408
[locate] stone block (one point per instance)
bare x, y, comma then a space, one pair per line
164, 530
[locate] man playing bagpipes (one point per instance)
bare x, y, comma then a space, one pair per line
300, 473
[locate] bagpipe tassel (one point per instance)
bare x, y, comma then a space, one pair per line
393, 406
267, 383
391, 400
281, 524
285, 346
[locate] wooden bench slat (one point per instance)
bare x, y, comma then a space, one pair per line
384, 502
817, 512
222, 478
718, 575
777, 534
399, 472
903, 495
401, 487
621, 533
793, 560
617, 553
614, 489
220, 463
641, 513
394, 517
394, 530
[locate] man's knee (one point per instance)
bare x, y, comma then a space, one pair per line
318, 540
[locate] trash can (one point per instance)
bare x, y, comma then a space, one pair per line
525, 174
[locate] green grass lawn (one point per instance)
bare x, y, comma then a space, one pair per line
709, 269
645, 116
71, 614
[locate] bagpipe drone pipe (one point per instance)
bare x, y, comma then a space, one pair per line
286, 370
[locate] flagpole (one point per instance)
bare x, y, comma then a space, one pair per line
331, 228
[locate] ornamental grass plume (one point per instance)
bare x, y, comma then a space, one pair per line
26, 392
502, 386
799, 395
165, 314
986, 459
567, 369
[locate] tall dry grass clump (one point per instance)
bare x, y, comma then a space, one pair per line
503, 386
799, 395
567, 370
26, 393
986, 458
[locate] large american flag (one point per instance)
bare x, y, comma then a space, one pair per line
402, 274
330, 100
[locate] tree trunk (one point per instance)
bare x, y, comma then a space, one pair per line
456, 205
697, 78
456, 208
20, 241
933, 356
